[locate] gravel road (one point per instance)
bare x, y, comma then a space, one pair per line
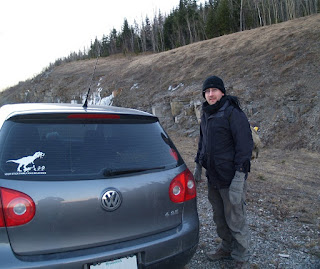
274, 243
283, 209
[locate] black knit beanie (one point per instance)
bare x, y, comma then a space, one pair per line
213, 82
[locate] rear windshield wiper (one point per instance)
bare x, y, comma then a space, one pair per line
117, 172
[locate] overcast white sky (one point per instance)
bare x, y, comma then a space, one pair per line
34, 33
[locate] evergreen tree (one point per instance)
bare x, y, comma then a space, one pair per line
148, 35
168, 30
126, 38
94, 49
223, 17
105, 47
210, 23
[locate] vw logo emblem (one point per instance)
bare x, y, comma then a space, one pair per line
111, 200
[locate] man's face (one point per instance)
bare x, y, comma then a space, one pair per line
213, 95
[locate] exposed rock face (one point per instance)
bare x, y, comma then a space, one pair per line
273, 70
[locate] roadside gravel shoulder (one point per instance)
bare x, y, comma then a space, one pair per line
274, 243
283, 209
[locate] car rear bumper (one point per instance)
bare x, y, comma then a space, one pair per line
174, 262
169, 248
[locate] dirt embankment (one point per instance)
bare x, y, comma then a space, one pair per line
274, 70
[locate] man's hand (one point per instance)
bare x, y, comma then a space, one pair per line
197, 172
236, 188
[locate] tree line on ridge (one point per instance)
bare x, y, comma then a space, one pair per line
189, 22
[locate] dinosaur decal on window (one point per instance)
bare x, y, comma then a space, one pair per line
28, 160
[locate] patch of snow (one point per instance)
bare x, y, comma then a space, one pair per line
95, 98
135, 86
107, 101
171, 88
99, 82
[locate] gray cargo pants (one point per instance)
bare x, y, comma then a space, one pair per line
232, 226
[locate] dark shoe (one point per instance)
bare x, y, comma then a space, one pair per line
218, 255
241, 265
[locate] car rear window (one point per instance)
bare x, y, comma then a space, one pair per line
54, 149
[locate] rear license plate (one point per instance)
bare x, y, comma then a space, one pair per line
123, 263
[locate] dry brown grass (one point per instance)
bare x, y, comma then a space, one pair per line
288, 182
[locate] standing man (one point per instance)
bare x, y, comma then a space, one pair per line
224, 150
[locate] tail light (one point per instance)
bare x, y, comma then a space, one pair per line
182, 187
1, 215
16, 208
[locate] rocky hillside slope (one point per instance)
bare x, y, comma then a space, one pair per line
274, 70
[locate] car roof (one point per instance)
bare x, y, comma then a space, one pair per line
11, 110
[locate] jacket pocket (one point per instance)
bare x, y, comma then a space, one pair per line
225, 169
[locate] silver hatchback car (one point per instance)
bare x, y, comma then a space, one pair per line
91, 188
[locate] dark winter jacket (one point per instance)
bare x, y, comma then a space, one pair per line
225, 143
